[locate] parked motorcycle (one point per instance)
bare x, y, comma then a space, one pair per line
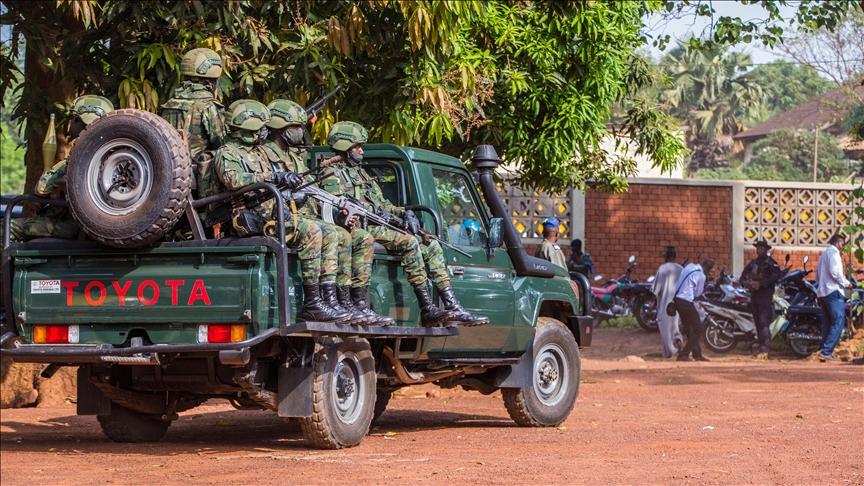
622, 297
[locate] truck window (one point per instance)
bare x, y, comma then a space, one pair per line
460, 217
387, 179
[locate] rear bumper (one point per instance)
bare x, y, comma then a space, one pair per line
229, 353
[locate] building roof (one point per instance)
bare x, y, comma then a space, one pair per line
828, 108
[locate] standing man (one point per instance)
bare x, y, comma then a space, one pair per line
665, 282
239, 164
549, 249
55, 221
348, 178
690, 287
759, 277
194, 109
831, 283
579, 261
286, 148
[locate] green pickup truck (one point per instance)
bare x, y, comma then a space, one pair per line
160, 329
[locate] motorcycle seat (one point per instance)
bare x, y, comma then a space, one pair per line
804, 309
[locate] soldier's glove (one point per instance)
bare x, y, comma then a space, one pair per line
291, 180
412, 224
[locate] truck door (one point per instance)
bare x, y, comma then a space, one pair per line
484, 285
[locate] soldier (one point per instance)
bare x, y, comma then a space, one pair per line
347, 139
194, 109
55, 221
238, 164
285, 148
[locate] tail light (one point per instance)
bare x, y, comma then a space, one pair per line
55, 334
221, 333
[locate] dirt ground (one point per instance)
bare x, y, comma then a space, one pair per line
638, 420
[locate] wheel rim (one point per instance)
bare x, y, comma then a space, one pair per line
119, 177
347, 394
551, 375
715, 333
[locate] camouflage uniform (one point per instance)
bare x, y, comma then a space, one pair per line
238, 165
345, 179
336, 249
193, 108
348, 178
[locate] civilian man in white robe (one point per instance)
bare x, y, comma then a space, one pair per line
665, 282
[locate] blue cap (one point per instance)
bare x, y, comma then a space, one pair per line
551, 222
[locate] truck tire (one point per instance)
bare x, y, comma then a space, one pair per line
124, 425
554, 382
128, 179
343, 394
382, 398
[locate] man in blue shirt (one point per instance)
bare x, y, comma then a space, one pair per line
691, 286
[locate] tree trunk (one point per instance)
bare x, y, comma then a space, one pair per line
40, 83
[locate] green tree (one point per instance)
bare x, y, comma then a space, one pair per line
788, 155
713, 96
786, 85
535, 77
11, 166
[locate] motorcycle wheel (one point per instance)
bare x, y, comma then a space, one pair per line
717, 331
804, 339
645, 311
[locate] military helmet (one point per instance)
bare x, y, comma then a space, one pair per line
90, 108
345, 135
284, 113
247, 115
202, 63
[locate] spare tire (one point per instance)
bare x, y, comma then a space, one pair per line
128, 178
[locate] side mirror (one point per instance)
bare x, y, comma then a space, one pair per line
651, 279
632, 259
598, 278
806, 259
496, 233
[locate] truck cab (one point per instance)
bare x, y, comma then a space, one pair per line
158, 330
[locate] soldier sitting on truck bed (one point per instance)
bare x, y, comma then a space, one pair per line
348, 178
285, 148
55, 221
238, 164
194, 108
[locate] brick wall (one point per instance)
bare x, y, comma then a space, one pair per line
642, 221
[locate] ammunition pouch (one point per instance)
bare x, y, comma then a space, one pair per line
204, 182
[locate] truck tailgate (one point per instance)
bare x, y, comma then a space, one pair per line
209, 285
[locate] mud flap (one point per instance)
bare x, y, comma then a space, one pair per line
295, 392
518, 375
91, 400
583, 329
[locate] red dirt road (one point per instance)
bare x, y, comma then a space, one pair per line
730, 421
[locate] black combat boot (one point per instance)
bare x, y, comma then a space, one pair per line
313, 309
430, 315
344, 297
458, 315
328, 298
360, 298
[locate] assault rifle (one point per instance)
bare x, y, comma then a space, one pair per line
317, 105
351, 208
